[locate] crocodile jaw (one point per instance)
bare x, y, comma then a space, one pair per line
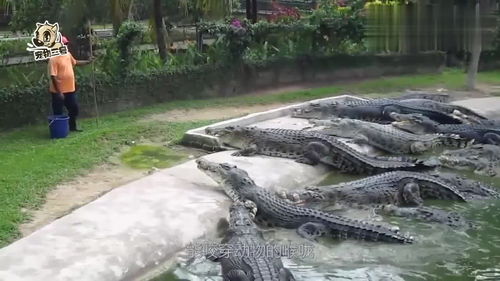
229, 177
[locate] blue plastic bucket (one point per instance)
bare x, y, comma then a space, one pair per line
58, 126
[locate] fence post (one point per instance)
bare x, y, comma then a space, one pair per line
199, 39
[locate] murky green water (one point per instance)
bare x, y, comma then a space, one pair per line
440, 253
149, 156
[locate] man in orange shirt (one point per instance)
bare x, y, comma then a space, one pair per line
62, 85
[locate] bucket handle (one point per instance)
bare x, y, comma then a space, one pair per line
52, 121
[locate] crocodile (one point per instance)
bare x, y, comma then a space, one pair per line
387, 137
429, 214
275, 212
483, 158
459, 112
488, 132
435, 96
310, 148
247, 256
400, 188
470, 189
377, 110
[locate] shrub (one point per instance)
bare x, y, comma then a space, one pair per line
283, 14
129, 34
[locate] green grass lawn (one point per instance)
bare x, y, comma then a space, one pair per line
31, 164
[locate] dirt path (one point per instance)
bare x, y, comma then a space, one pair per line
211, 113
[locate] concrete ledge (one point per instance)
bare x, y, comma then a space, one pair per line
128, 231
198, 138
489, 107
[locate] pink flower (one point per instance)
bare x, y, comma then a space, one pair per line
236, 23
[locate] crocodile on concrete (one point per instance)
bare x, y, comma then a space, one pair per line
428, 214
387, 137
459, 112
470, 189
435, 96
273, 211
488, 133
370, 110
400, 188
246, 257
309, 148
484, 159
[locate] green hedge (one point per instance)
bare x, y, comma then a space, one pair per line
21, 106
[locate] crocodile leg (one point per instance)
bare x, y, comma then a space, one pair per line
314, 151
312, 230
247, 151
486, 169
285, 275
390, 109
419, 147
236, 275
492, 138
409, 194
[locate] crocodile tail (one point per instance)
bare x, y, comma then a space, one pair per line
454, 141
366, 231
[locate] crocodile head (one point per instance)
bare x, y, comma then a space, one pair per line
481, 157
240, 217
234, 136
341, 127
316, 110
414, 123
232, 179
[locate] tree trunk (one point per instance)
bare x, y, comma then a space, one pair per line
254, 11
476, 50
160, 30
131, 10
248, 8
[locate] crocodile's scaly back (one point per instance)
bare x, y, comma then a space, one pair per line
274, 211
387, 137
387, 188
311, 148
245, 256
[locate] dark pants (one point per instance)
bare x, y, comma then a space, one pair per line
71, 105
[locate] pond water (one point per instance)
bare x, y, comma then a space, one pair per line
440, 253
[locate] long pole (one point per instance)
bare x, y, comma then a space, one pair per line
93, 79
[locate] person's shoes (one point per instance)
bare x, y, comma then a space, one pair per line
76, 130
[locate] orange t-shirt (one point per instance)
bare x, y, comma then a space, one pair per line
62, 68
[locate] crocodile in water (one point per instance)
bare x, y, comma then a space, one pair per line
247, 256
273, 211
428, 214
399, 188
484, 159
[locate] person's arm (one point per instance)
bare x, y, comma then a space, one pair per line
83, 62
